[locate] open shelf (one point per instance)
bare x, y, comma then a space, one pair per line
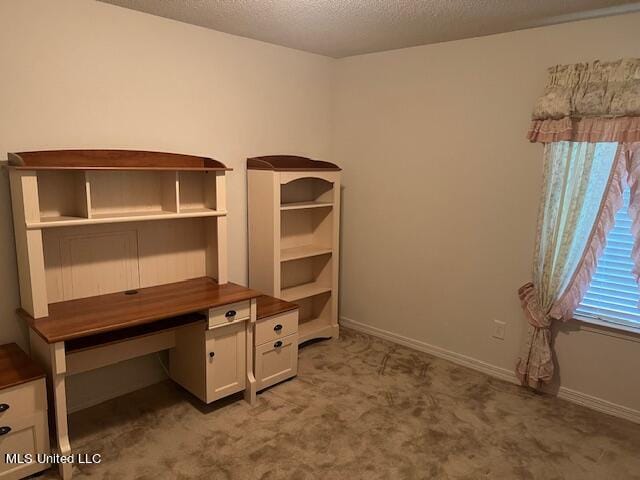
74, 197
198, 211
315, 328
62, 195
305, 290
197, 191
305, 277
118, 194
303, 205
62, 221
299, 228
304, 251
315, 317
305, 193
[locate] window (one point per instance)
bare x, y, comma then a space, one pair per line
613, 295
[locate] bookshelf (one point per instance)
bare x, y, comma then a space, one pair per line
294, 218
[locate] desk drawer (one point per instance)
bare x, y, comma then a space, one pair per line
276, 361
23, 400
234, 312
26, 435
277, 327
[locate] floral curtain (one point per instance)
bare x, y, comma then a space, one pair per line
589, 102
582, 190
588, 118
632, 155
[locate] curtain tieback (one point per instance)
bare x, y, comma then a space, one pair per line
530, 304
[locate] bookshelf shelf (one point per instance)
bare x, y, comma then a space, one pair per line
304, 251
305, 290
304, 205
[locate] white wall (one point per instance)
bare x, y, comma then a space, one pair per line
441, 192
440, 186
83, 74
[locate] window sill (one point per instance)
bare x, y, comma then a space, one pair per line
601, 327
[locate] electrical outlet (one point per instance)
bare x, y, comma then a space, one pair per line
499, 329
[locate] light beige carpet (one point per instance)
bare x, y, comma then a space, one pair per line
361, 408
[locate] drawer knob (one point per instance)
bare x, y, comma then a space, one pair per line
212, 354
278, 344
4, 430
4, 407
277, 328
230, 313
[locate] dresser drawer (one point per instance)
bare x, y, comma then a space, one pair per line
23, 400
276, 361
276, 327
25, 436
227, 314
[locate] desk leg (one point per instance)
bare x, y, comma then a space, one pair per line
62, 429
52, 358
250, 389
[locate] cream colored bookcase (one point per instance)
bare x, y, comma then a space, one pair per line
294, 218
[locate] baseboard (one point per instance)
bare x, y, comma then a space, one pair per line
568, 394
599, 404
457, 358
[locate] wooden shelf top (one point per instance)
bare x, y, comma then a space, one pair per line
290, 163
270, 306
111, 160
105, 313
16, 367
305, 205
123, 217
303, 251
291, 294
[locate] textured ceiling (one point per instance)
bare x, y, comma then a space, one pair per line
339, 28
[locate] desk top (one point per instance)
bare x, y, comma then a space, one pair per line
16, 367
105, 313
270, 306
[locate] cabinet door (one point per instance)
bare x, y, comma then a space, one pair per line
226, 359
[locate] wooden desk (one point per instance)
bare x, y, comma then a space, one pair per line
105, 313
89, 333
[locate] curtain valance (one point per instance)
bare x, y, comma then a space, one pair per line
596, 101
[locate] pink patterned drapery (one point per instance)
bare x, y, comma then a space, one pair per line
582, 192
589, 102
583, 104
619, 129
632, 154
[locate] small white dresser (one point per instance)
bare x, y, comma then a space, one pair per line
24, 431
275, 341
